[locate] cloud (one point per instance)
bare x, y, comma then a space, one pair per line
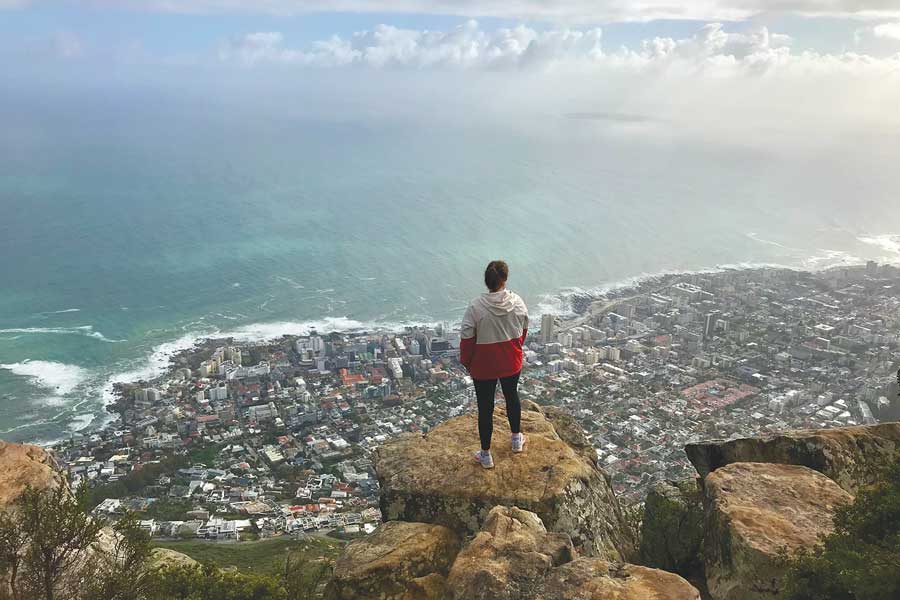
572, 11
711, 49
889, 31
750, 87
385, 46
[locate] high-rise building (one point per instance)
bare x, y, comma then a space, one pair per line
547, 327
709, 324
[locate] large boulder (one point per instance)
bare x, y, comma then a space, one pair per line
429, 587
23, 466
508, 558
382, 565
595, 579
755, 513
432, 478
672, 527
514, 557
851, 456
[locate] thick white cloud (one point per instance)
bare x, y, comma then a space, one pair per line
385, 46
750, 88
574, 11
887, 30
469, 47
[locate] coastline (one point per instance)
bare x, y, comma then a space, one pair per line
165, 358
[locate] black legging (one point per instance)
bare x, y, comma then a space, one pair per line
484, 391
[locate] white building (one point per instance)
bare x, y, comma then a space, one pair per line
262, 412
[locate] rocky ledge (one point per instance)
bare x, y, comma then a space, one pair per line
383, 564
513, 557
432, 478
851, 456
22, 466
757, 514
25, 466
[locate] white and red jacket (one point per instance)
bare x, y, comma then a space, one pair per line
492, 333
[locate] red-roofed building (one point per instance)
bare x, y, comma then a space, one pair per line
351, 379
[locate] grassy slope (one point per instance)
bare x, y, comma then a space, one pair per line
261, 556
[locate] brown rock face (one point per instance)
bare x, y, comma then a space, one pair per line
23, 465
507, 559
851, 456
430, 587
433, 479
594, 579
754, 512
513, 557
383, 564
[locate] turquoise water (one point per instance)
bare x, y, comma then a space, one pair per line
128, 233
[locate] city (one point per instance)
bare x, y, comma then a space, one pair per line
246, 441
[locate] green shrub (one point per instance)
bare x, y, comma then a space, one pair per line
209, 583
860, 560
51, 548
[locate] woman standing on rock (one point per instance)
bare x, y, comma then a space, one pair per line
493, 332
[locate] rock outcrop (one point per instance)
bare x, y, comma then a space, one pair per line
545, 524
23, 466
432, 478
429, 587
508, 558
672, 528
383, 564
595, 579
851, 456
161, 558
755, 512
512, 557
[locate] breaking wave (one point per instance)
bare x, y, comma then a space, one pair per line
85, 330
59, 378
889, 242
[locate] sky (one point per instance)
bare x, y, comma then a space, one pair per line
748, 71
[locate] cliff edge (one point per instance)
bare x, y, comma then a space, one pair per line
432, 478
543, 524
22, 466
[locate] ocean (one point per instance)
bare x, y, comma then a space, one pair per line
128, 234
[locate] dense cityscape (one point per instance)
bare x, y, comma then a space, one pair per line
240, 441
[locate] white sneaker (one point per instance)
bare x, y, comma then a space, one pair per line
518, 442
484, 459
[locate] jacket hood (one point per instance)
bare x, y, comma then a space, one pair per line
500, 303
